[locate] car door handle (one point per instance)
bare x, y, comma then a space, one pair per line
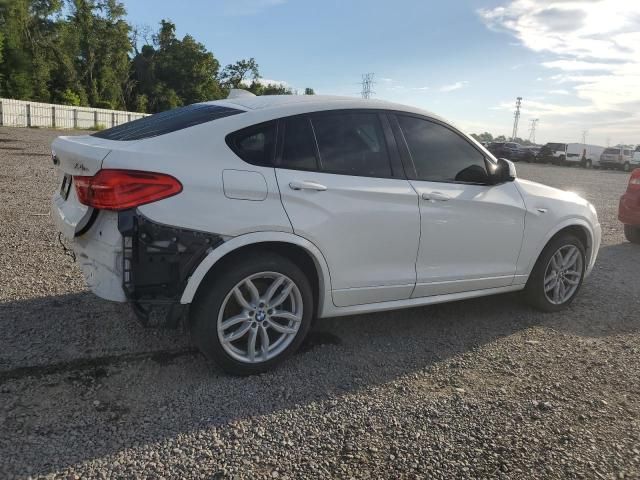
306, 185
435, 196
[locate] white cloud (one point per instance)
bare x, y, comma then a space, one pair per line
596, 45
248, 7
560, 91
454, 86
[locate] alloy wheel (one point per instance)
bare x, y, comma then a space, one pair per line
563, 274
260, 317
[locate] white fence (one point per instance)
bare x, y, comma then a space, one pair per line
19, 113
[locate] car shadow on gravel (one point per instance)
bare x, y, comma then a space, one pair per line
148, 396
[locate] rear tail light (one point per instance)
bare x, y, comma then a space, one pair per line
634, 181
124, 189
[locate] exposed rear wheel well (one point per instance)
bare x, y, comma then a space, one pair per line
295, 253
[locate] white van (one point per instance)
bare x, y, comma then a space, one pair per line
572, 154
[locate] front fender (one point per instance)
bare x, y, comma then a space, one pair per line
234, 243
593, 241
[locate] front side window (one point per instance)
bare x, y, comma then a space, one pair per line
352, 144
256, 144
440, 154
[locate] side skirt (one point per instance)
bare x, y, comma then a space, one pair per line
415, 302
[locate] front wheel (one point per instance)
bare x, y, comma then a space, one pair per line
557, 275
254, 315
632, 233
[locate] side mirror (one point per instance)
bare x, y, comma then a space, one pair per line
504, 172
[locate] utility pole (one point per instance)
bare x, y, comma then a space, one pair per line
367, 84
516, 118
532, 130
584, 137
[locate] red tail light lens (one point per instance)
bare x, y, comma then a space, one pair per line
124, 189
634, 181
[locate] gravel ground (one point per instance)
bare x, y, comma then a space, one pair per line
476, 389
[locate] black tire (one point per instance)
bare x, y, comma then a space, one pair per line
534, 290
626, 167
206, 308
587, 163
632, 233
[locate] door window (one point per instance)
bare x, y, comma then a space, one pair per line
440, 154
352, 144
299, 147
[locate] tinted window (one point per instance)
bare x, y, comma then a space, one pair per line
299, 148
255, 144
627, 152
352, 144
440, 154
167, 122
611, 151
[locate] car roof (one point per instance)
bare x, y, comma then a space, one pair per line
293, 104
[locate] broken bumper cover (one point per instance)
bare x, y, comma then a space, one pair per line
157, 260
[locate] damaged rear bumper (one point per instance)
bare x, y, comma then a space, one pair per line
126, 257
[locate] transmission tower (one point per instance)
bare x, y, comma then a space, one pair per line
532, 130
367, 85
516, 118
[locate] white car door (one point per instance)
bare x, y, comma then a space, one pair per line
343, 188
471, 231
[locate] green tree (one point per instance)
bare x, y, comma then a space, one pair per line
29, 40
235, 74
174, 72
309, 91
100, 34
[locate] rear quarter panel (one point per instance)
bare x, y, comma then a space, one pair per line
197, 157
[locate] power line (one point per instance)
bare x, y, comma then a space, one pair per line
367, 85
516, 119
532, 130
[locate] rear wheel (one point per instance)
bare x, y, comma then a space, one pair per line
632, 232
254, 315
587, 163
557, 275
626, 167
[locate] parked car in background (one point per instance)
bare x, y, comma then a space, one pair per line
629, 208
509, 150
531, 154
619, 158
253, 216
581, 154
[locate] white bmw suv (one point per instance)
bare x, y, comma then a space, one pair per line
253, 216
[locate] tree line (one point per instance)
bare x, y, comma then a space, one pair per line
486, 137
85, 53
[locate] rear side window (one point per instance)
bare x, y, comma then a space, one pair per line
255, 144
299, 147
440, 154
167, 122
627, 152
352, 144
611, 151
